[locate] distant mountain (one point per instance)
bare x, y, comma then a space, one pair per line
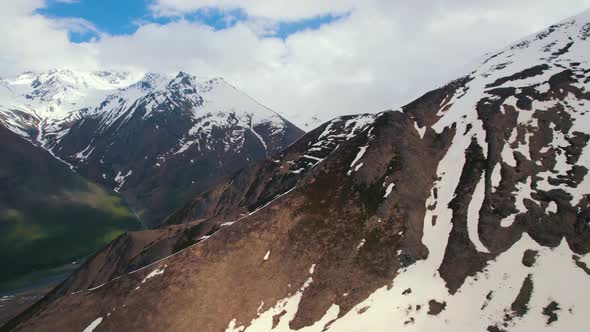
49, 216
156, 139
465, 210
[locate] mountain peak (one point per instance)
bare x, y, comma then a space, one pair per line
184, 79
183, 74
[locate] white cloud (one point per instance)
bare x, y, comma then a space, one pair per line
270, 9
381, 55
33, 42
75, 25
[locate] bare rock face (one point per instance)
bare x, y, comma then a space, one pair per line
462, 211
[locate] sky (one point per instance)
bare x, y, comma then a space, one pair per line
301, 58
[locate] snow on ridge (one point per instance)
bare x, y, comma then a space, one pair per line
329, 140
352, 126
359, 123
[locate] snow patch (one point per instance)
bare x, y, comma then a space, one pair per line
290, 305
93, 325
551, 208
120, 179
473, 215
159, 271
389, 189
420, 130
359, 155
361, 244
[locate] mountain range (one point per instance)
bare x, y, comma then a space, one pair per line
156, 139
466, 210
87, 156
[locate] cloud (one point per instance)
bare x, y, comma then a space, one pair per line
284, 10
75, 25
380, 55
33, 42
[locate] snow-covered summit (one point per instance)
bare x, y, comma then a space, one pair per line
57, 92
56, 96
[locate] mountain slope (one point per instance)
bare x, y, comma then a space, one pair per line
466, 210
250, 189
156, 139
49, 216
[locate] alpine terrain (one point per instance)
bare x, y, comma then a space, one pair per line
156, 139
465, 210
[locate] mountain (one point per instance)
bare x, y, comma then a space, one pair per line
465, 210
156, 139
240, 195
49, 216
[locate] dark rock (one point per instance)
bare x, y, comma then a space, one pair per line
529, 257
550, 311
435, 307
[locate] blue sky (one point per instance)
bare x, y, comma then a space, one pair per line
117, 17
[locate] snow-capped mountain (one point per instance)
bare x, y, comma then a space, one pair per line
56, 95
465, 210
156, 139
